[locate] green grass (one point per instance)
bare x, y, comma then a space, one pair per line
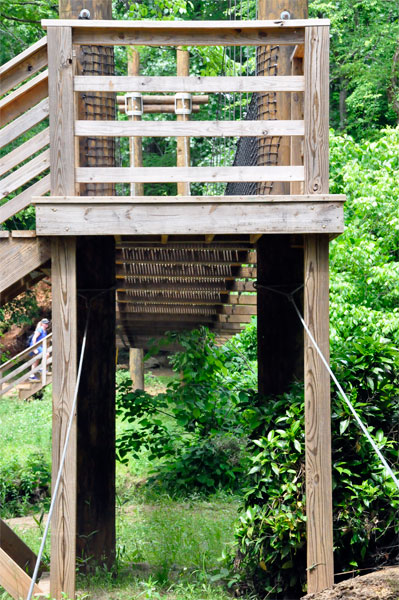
165, 549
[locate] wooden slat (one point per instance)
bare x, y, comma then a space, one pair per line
26, 96
32, 117
316, 68
189, 128
189, 174
14, 579
176, 26
63, 530
24, 65
16, 549
317, 419
24, 151
18, 257
191, 219
59, 200
13, 206
192, 84
28, 171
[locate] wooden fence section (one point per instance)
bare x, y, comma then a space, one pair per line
23, 168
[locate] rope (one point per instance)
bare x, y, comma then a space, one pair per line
68, 434
290, 298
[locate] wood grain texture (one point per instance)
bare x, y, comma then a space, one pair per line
176, 26
135, 144
17, 549
23, 98
188, 174
32, 117
13, 206
316, 68
153, 219
317, 418
14, 579
183, 158
21, 176
87, 200
24, 151
192, 84
189, 128
19, 256
24, 65
297, 112
62, 143
63, 526
136, 368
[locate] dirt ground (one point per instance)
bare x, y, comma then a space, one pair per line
381, 585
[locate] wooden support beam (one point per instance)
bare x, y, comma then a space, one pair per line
16, 549
198, 84
193, 218
317, 418
18, 257
297, 109
135, 143
63, 527
136, 368
189, 128
183, 143
14, 579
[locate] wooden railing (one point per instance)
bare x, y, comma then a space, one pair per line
18, 369
20, 111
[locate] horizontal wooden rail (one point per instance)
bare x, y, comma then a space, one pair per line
191, 33
12, 159
32, 117
28, 171
189, 128
24, 65
187, 200
24, 199
186, 174
21, 355
191, 84
26, 96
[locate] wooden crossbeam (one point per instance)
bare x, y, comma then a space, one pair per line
24, 65
191, 84
16, 549
188, 200
14, 579
18, 257
189, 128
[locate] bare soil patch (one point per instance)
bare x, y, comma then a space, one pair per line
381, 585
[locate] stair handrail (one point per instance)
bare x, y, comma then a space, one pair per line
21, 367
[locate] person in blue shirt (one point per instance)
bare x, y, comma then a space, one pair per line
40, 333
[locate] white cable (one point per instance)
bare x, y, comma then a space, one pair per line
59, 475
344, 396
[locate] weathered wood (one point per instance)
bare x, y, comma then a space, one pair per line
189, 128
28, 171
135, 144
136, 368
14, 579
192, 84
182, 143
62, 143
12, 159
176, 26
13, 206
316, 110
16, 549
261, 199
26, 96
317, 418
32, 117
194, 286
24, 65
178, 298
188, 174
195, 218
63, 527
18, 257
203, 272
297, 100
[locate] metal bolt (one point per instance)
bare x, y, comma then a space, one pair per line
285, 15
84, 14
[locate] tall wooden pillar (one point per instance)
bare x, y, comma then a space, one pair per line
95, 272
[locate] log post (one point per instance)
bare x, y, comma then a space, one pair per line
183, 143
136, 368
135, 143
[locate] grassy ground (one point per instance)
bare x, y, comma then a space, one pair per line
165, 548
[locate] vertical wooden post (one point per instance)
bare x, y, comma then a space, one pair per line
320, 560
297, 104
135, 143
183, 143
136, 367
62, 165
44, 362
